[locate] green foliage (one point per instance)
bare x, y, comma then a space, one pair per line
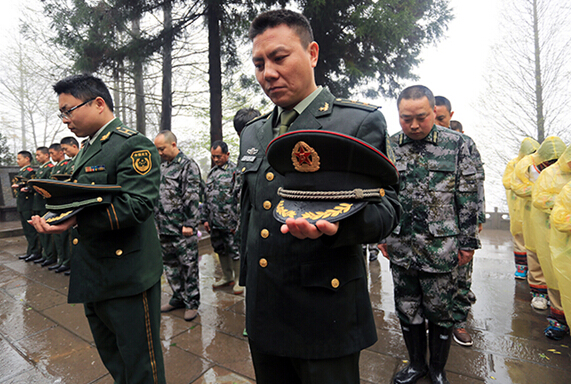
372, 45
6, 156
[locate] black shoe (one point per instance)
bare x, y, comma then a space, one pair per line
23, 257
39, 261
48, 262
68, 272
439, 339
54, 267
33, 258
62, 268
415, 340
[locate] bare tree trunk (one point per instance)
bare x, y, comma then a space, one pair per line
538, 80
166, 107
214, 70
22, 110
139, 86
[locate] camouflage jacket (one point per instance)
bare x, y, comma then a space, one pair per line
179, 196
439, 197
220, 208
481, 177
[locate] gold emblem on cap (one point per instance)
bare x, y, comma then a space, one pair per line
283, 212
304, 158
42, 192
324, 108
339, 209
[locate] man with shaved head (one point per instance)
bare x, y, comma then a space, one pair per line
177, 217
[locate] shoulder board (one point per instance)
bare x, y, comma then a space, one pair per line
124, 131
356, 104
259, 118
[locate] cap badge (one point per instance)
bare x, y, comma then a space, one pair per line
42, 192
304, 158
142, 161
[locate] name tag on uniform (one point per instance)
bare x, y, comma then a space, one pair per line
248, 159
95, 168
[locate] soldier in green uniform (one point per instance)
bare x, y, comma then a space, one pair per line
61, 240
24, 203
117, 265
177, 216
437, 232
46, 240
70, 148
308, 311
220, 216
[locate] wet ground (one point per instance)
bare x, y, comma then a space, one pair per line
45, 340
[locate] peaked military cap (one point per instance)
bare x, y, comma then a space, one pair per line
65, 199
328, 175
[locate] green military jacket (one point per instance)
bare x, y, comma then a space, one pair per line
439, 197
118, 251
60, 168
25, 200
220, 209
44, 172
179, 196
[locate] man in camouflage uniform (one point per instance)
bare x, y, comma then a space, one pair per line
24, 203
220, 216
177, 217
464, 297
44, 172
437, 232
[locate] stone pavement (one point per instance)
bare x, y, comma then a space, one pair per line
45, 340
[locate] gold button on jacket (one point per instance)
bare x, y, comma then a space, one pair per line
267, 204
75, 241
119, 252
263, 263
265, 233
269, 176
335, 283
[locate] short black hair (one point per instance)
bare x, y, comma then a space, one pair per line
26, 154
275, 18
243, 116
455, 125
219, 143
56, 147
441, 100
84, 87
168, 136
43, 150
70, 141
416, 92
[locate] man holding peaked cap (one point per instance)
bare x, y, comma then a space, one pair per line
308, 312
116, 260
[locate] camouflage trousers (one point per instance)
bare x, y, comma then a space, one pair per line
225, 243
423, 295
180, 263
462, 305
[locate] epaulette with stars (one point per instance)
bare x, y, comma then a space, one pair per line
356, 104
124, 131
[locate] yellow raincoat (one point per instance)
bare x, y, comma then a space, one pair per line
543, 194
524, 176
515, 204
560, 245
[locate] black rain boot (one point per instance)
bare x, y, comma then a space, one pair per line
439, 345
415, 340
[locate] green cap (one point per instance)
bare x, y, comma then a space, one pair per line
65, 199
327, 175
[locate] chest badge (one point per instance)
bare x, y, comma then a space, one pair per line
142, 161
252, 151
304, 158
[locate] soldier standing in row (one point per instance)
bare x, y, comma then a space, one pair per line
61, 240
177, 217
220, 216
437, 232
44, 172
24, 203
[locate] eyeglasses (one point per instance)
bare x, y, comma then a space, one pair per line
67, 114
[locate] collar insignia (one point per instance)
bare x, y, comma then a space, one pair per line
324, 108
